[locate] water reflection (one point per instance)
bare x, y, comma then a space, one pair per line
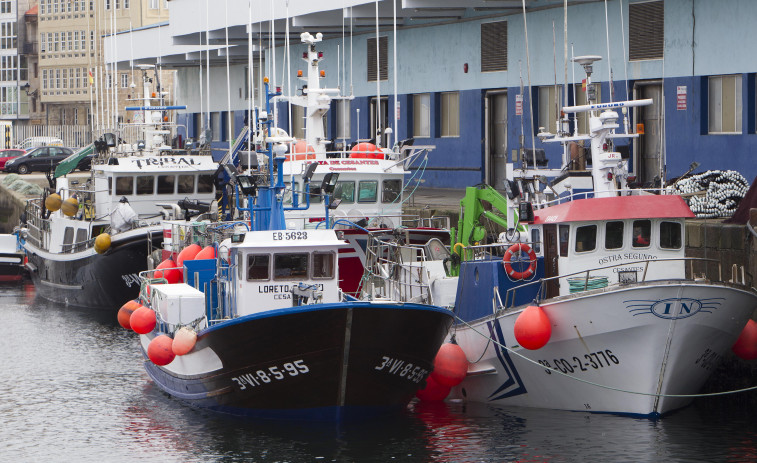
74, 388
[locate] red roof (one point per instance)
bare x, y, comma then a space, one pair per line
32, 11
615, 208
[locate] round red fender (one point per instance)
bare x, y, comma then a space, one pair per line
188, 253
433, 391
143, 320
532, 328
171, 273
124, 313
450, 365
746, 346
507, 259
184, 340
160, 350
208, 252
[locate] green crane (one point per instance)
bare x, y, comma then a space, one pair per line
469, 229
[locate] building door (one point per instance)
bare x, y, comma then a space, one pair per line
378, 131
648, 156
550, 260
495, 156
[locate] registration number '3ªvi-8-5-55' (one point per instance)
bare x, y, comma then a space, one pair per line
271, 374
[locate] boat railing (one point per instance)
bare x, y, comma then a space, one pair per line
590, 194
202, 233
696, 269
395, 271
490, 251
384, 221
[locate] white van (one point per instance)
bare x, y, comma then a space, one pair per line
34, 142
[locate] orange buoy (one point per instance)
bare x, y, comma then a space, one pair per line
450, 365
746, 346
167, 269
124, 313
532, 328
143, 320
433, 391
208, 252
366, 150
188, 253
301, 151
184, 340
159, 350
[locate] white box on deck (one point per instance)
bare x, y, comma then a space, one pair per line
178, 303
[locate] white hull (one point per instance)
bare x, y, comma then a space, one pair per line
643, 349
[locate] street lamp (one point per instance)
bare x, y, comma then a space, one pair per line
26, 87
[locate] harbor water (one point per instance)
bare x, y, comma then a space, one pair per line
73, 389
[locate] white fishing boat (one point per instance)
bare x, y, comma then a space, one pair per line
589, 302
87, 242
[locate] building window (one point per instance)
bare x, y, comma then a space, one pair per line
646, 30
724, 99
91, 40
494, 46
422, 115
154, 4
383, 59
42, 42
343, 119
83, 43
215, 125
450, 106
76, 40
549, 99
126, 4
124, 80
44, 79
8, 36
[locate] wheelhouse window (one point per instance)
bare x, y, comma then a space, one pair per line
642, 233
391, 191
323, 265
166, 184
124, 185
186, 184
345, 191
290, 266
564, 235
614, 235
670, 235
586, 238
258, 267
367, 191
145, 185
205, 184
536, 239
315, 194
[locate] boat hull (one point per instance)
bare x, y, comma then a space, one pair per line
624, 351
319, 362
11, 267
90, 280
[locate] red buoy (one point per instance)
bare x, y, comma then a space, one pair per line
124, 313
188, 253
301, 150
208, 252
143, 320
433, 392
184, 340
532, 328
746, 346
450, 365
167, 269
159, 350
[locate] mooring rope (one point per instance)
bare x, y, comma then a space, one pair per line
709, 394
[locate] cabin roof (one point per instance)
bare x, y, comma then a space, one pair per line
615, 208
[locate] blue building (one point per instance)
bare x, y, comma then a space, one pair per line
457, 75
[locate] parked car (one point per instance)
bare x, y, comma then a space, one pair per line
35, 142
41, 159
7, 155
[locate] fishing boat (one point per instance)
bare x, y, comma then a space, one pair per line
257, 326
11, 259
588, 302
87, 242
371, 187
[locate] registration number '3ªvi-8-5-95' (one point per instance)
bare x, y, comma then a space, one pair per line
271, 374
